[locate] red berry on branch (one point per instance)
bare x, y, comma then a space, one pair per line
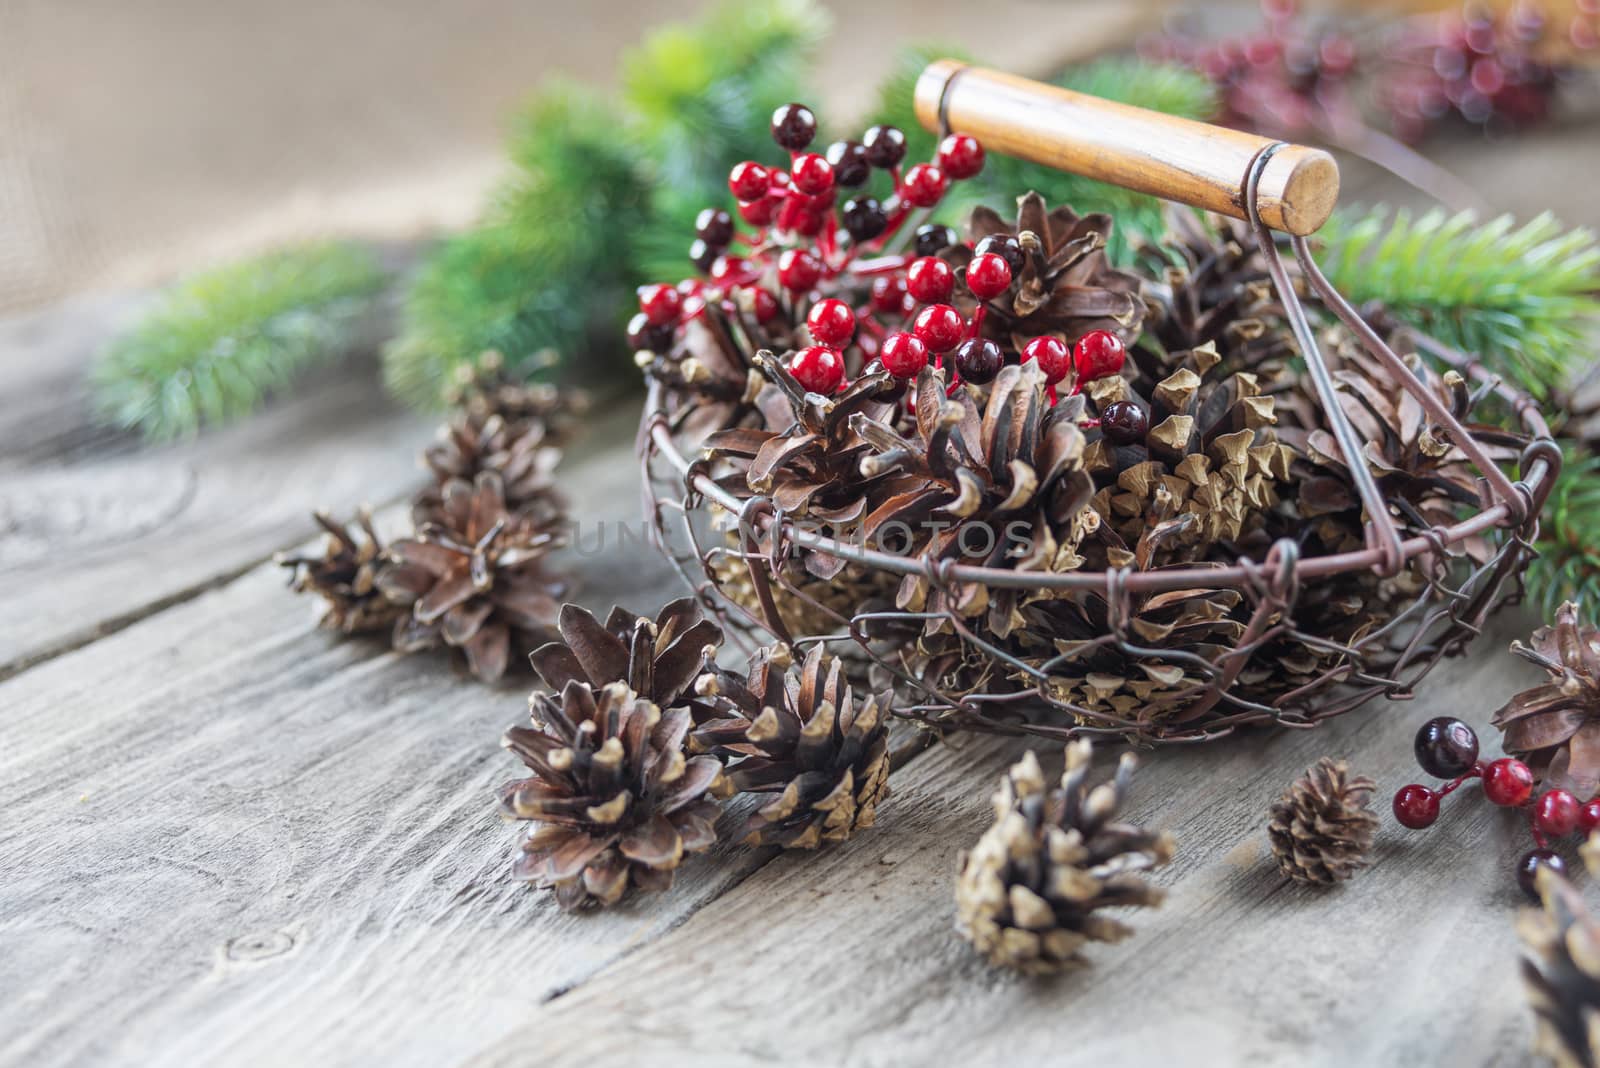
1052, 356
748, 180
988, 276
1556, 813
930, 280
978, 360
1416, 806
888, 292
810, 223
793, 126
812, 174
940, 327
763, 305
1589, 816
645, 336
1528, 869
903, 355
1507, 782
725, 269
924, 185
759, 212
798, 270
1097, 354
961, 156
661, 304
819, 369
832, 323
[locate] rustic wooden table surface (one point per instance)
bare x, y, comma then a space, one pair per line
225, 838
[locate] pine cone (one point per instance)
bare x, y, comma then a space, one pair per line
802, 735
475, 579
658, 659
1321, 828
346, 577
708, 368
486, 388
1029, 894
517, 452
616, 799
1561, 973
1555, 727
1066, 286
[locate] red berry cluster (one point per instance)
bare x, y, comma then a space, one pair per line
1447, 748
809, 260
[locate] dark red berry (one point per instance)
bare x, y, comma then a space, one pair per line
798, 270
763, 305
863, 218
1097, 354
903, 355
831, 323
714, 226
1052, 356
645, 336
759, 212
940, 327
978, 360
1589, 816
1528, 869
748, 180
849, 162
961, 156
1507, 782
819, 369
702, 255
660, 304
793, 126
1416, 806
1124, 423
988, 276
1556, 813
924, 185
930, 280
1446, 747
811, 174
1006, 247
888, 292
885, 145
934, 238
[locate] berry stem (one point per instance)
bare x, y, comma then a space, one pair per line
975, 328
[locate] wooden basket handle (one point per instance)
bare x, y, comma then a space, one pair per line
1193, 163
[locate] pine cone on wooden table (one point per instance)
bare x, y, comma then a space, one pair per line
616, 799
1555, 726
1321, 828
345, 575
486, 388
1030, 892
659, 658
517, 452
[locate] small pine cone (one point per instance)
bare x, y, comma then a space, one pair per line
1029, 892
616, 799
804, 736
517, 452
345, 576
1321, 828
1561, 973
486, 388
658, 659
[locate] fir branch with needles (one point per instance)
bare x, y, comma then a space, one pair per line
215, 347
1568, 565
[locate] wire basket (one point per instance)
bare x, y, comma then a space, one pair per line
1437, 599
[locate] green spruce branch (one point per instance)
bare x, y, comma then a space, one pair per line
1568, 565
214, 347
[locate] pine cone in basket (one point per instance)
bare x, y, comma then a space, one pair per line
1561, 973
1065, 286
1555, 726
659, 658
707, 367
616, 799
1321, 828
345, 575
1030, 892
475, 579
803, 735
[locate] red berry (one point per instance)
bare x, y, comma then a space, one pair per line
1052, 356
759, 212
1589, 816
888, 292
725, 269
961, 156
810, 223
1556, 813
1507, 782
988, 276
748, 180
903, 355
798, 270
1098, 353
831, 322
939, 327
660, 304
819, 369
1416, 806
812, 173
924, 185
930, 280
763, 304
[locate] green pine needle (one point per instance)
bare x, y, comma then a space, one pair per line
1568, 565
214, 347
1519, 297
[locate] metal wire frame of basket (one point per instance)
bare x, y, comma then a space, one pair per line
1455, 600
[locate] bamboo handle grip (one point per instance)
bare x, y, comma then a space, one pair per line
1178, 159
